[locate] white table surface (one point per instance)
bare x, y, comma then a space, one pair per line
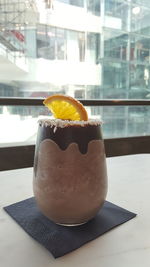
127, 245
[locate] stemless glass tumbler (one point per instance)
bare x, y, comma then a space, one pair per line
70, 175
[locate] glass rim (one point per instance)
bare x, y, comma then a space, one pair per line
65, 123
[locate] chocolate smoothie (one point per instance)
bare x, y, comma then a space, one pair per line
70, 177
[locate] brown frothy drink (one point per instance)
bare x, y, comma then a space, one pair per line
70, 177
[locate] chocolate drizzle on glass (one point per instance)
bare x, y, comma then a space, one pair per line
63, 137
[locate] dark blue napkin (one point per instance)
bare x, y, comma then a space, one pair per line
60, 240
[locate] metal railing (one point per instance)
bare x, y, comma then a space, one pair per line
11, 101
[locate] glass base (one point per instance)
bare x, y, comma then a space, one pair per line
69, 224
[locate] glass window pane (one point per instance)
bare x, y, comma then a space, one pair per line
78, 3
94, 92
139, 81
117, 14
141, 2
94, 6
75, 46
93, 47
65, 1
116, 45
123, 121
42, 41
140, 49
81, 43
50, 50
115, 80
140, 20
117, 122
22, 118
60, 43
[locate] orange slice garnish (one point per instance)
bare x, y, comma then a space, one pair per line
66, 108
